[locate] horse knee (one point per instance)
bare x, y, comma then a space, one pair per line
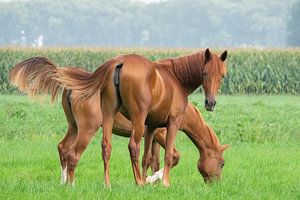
133, 150
72, 160
62, 152
172, 159
176, 157
60, 147
168, 160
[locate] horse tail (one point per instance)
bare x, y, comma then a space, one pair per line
87, 86
38, 75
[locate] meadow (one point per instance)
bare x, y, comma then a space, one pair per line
262, 162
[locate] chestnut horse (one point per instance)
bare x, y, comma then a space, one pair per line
38, 75
151, 93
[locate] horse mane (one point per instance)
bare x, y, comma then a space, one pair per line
188, 70
213, 137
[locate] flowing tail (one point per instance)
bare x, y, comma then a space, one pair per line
39, 75
86, 85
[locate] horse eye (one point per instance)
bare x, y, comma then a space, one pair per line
204, 73
223, 76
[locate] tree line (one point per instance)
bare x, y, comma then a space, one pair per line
129, 23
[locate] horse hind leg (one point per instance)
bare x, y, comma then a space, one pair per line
63, 148
106, 147
82, 140
110, 106
138, 121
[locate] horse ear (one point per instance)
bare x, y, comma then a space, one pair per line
224, 147
207, 55
224, 56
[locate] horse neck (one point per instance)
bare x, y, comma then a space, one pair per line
200, 133
189, 70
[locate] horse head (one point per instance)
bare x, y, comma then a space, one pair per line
213, 73
211, 163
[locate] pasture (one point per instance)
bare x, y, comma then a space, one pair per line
262, 162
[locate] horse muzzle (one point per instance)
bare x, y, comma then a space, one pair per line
210, 105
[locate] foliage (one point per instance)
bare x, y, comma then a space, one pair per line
251, 71
171, 23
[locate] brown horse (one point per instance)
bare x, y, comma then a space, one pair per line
148, 93
38, 75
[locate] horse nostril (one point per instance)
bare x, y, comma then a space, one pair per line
206, 102
215, 103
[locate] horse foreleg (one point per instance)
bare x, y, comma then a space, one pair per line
147, 151
155, 155
154, 163
160, 137
173, 127
63, 148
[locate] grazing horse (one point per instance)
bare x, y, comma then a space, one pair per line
38, 75
151, 93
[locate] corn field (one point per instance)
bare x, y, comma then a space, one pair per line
250, 71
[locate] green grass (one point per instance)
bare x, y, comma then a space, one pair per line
262, 163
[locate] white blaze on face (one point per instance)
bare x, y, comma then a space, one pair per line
64, 175
156, 176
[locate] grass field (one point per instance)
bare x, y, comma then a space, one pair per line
262, 163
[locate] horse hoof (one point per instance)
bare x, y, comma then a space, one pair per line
107, 186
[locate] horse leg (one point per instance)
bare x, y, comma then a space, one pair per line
155, 155
147, 151
110, 106
154, 163
160, 137
173, 127
159, 140
137, 132
82, 140
106, 146
63, 148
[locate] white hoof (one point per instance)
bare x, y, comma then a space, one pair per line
73, 183
64, 173
156, 176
